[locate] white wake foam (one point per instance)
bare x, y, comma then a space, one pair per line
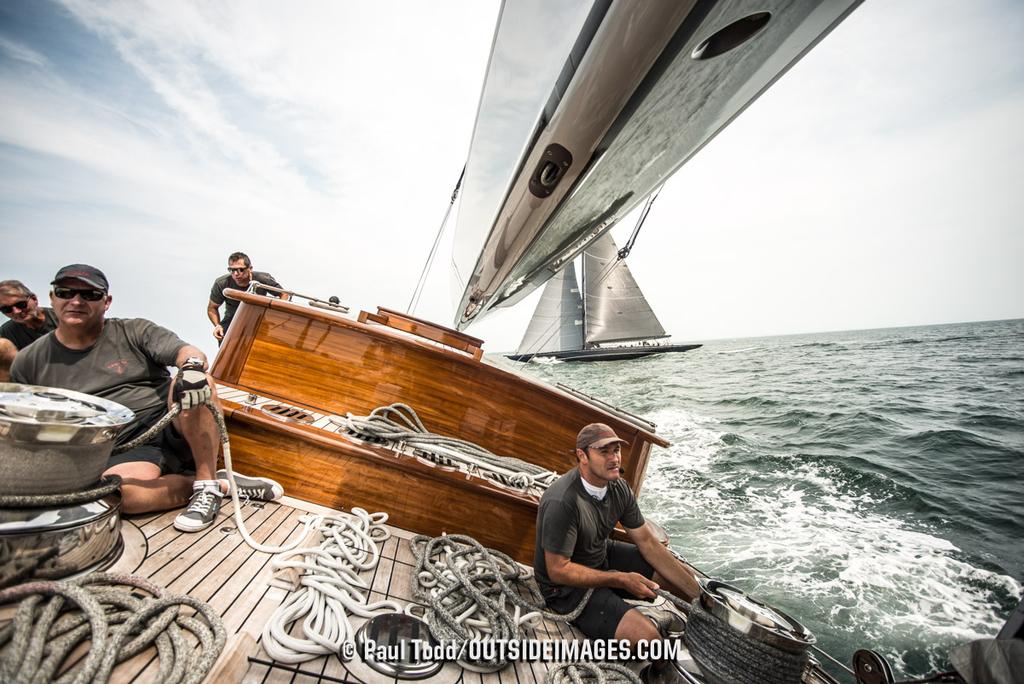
792, 533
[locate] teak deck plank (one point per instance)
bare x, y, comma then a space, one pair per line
222, 570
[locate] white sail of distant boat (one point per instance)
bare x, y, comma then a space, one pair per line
611, 312
557, 323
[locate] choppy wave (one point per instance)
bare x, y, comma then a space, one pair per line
786, 526
865, 482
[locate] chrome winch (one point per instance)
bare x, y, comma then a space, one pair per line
733, 638
57, 518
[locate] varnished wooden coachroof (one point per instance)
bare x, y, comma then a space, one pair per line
338, 365
332, 470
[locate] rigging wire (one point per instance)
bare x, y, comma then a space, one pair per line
628, 247
554, 326
415, 300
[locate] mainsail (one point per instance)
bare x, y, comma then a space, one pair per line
615, 310
557, 323
642, 89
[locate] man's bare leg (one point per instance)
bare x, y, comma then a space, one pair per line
7, 353
144, 489
199, 428
634, 626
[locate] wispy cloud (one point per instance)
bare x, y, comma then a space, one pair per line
22, 53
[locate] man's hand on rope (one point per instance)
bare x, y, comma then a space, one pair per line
638, 585
191, 388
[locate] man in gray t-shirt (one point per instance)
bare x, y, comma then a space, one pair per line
238, 277
125, 361
574, 550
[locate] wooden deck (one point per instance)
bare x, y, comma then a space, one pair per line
218, 567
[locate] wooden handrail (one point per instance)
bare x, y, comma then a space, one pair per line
431, 331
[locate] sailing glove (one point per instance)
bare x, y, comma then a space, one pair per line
190, 387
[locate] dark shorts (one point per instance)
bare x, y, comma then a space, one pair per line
606, 607
167, 448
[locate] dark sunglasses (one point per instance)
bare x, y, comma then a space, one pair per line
21, 306
89, 295
240, 269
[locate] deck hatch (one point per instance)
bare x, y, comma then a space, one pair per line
393, 644
291, 413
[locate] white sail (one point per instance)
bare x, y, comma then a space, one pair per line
646, 86
615, 309
557, 323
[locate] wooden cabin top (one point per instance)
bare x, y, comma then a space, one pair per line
337, 364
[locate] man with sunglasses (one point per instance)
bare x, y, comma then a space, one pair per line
28, 323
238, 277
574, 550
125, 360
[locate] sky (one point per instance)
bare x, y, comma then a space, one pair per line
877, 184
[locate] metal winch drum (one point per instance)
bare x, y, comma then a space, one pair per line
733, 637
54, 445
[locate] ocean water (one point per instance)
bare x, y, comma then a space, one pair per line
868, 483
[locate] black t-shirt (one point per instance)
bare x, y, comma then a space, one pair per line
127, 365
21, 335
570, 522
226, 282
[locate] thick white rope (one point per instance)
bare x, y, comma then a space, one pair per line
310, 521
329, 588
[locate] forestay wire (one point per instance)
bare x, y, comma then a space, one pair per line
415, 300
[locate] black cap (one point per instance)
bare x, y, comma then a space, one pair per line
90, 275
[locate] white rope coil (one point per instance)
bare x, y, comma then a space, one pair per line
330, 588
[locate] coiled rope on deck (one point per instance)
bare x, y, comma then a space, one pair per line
329, 586
399, 423
116, 621
475, 593
601, 673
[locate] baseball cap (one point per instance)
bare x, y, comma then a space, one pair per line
596, 435
90, 275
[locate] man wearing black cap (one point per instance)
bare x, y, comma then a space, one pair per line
125, 360
575, 552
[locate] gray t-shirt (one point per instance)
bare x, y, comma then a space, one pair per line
226, 282
570, 522
128, 364
21, 335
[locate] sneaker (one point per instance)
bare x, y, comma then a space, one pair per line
254, 488
201, 511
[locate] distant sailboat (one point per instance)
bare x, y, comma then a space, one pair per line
597, 326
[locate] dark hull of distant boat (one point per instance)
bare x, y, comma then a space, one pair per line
607, 353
